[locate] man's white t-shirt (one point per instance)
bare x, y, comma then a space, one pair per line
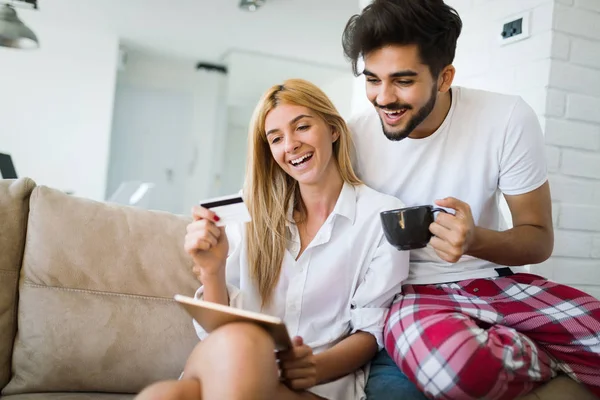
489, 144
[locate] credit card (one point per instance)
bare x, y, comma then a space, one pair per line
230, 209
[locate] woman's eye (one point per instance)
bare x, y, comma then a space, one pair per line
303, 127
275, 140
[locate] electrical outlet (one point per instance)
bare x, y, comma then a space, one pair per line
512, 28
515, 28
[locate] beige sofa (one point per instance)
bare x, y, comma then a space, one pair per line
86, 294
86, 290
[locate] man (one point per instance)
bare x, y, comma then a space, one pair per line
470, 323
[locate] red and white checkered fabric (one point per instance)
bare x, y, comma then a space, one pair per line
494, 338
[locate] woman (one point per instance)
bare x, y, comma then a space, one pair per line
314, 255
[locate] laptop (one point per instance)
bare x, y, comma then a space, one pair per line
7, 168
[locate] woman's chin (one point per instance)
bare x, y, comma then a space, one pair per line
307, 179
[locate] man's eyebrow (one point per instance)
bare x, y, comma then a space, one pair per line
293, 121
398, 74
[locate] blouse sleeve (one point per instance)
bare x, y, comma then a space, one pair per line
382, 281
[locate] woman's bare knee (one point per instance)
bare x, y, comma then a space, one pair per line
242, 336
233, 361
237, 343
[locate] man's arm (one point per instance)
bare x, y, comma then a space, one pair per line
345, 357
530, 241
301, 369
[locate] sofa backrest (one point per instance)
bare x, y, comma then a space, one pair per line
14, 206
95, 297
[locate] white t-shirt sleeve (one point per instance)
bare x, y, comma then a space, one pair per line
381, 283
361, 129
232, 272
523, 158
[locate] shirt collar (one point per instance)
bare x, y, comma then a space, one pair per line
346, 203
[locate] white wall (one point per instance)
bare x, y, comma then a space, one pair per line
56, 105
339, 90
251, 74
202, 148
522, 67
150, 130
236, 148
573, 138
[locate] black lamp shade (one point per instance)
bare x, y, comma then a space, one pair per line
13, 32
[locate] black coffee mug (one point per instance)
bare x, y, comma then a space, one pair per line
408, 228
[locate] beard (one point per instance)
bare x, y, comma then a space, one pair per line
416, 120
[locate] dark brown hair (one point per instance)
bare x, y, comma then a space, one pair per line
430, 24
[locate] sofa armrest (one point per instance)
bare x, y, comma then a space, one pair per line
14, 209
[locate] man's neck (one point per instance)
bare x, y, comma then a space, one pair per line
436, 118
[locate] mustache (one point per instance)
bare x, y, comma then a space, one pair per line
393, 106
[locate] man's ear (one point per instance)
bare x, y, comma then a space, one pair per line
446, 78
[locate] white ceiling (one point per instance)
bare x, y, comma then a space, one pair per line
207, 30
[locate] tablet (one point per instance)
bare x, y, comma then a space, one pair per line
211, 316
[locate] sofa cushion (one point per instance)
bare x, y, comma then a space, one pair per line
14, 206
95, 298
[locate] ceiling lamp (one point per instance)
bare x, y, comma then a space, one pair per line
251, 5
13, 32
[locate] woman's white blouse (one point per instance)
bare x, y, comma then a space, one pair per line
343, 282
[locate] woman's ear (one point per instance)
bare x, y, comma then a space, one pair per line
334, 135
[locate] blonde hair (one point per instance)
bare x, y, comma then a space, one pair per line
269, 190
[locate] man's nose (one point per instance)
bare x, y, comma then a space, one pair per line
386, 95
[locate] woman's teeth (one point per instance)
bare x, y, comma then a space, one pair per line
301, 160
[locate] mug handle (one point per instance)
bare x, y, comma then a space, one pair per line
439, 210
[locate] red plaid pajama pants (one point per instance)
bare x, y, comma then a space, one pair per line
494, 338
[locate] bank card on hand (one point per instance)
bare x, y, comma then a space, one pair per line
230, 209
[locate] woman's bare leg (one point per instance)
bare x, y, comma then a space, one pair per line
236, 361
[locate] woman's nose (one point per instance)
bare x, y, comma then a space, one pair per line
291, 144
